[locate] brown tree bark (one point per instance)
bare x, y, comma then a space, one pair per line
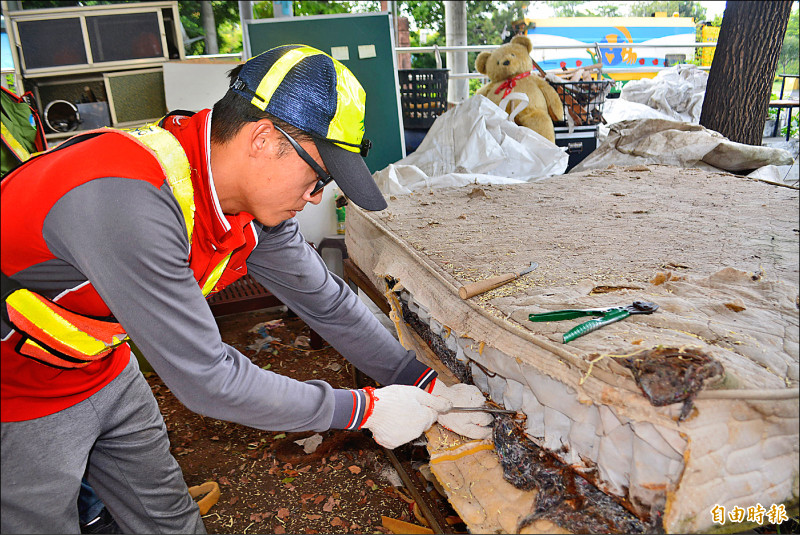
740, 81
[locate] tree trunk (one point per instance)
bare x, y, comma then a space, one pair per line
209, 27
741, 76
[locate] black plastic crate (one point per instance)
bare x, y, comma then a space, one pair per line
423, 96
583, 100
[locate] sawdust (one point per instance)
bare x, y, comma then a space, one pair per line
627, 224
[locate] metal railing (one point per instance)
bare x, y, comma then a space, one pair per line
436, 50
233, 55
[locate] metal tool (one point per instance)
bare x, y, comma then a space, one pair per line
606, 316
483, 409
475, 288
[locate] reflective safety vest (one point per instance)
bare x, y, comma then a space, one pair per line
60, 338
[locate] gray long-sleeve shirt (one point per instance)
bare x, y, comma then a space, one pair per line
122, 235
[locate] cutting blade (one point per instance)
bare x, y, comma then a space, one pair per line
530, 268
482, 409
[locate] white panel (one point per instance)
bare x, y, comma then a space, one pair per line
366, 51
195, 86
342, 53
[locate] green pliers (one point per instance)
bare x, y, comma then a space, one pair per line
606, 316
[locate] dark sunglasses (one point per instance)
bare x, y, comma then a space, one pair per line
323, 177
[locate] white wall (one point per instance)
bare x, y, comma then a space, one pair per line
195, 86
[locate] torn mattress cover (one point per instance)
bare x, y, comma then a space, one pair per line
670, 413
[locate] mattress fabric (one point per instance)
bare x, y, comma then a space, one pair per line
718, 253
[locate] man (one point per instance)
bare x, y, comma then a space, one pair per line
118, 236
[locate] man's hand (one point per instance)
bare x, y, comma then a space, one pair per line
475, 425
399, 414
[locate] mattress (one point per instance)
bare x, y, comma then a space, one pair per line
672, 413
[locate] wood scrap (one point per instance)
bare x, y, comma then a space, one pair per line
577, 76
597, 117
452, 520
418, 515
398, 526
592, 67
581, 74
583, 99
573, 108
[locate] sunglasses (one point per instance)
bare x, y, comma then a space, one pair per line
323, 177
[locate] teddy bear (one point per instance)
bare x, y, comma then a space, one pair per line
509, 68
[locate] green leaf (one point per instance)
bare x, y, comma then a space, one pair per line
287, 479
268, 366
277, 437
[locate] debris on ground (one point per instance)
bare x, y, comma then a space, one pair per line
268, 482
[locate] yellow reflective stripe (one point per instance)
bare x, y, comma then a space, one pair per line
269, 84
116, 342
215, 275
456, 456
39, 314
172, 158
15, 146
348, 122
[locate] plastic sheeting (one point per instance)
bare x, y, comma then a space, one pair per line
616, 110
474, 143
677, 92
680, 144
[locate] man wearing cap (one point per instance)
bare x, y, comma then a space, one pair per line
116, 236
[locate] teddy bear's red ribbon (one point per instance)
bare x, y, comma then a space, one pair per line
509, 84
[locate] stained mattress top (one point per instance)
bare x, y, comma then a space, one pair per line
717, 252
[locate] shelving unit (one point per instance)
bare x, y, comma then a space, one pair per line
117, 51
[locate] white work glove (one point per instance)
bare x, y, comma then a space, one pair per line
472, 424
401, 413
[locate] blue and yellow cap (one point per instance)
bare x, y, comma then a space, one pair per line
312, 91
